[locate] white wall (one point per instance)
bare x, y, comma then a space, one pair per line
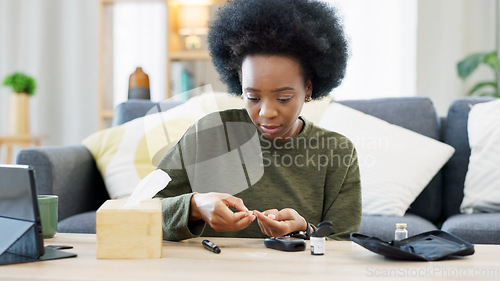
382, 45
55, 41
448, 31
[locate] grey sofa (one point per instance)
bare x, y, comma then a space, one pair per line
71, 172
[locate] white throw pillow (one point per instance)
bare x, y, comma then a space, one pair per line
395, 163
482, 181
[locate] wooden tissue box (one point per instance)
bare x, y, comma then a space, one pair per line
133, 233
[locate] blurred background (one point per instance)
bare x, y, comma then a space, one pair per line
82, 52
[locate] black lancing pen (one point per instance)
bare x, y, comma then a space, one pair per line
210, 246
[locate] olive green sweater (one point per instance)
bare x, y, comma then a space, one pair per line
316, 173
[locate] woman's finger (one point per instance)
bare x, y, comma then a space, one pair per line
235, 202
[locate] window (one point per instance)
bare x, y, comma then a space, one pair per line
139, 39
383, 45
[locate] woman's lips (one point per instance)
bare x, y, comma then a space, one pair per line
269, 129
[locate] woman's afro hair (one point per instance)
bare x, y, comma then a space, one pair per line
306, 30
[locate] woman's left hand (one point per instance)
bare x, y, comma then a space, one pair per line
274, 223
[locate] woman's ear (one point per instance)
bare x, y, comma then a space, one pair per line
309, 88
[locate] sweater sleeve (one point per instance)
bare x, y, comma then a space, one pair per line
176, 199
197, 145
344, 198
175, 214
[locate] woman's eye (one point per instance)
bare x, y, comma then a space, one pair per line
284, 99
252, 99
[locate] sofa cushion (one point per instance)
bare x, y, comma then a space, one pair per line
475, 228
81, 223
395, 163
455, 134
482, 181
419, 115
380, 226
383, 227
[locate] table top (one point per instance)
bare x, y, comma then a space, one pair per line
248, 259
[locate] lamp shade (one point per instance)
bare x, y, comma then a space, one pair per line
193, 19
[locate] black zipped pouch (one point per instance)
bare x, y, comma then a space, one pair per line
428, 246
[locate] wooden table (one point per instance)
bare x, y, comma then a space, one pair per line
9, 141
248, 259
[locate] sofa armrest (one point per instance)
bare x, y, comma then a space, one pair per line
69, 172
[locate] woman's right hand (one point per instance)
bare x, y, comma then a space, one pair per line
213, 208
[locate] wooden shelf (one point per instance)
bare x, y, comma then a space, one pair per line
107, 113
196, 2
108, 2
22, 140
174, 50
189, 55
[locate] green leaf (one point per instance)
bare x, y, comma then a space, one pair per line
20, 82
493, 61
480, 85
489, 94
466, 66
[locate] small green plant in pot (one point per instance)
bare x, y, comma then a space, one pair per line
23, 86
470, 63
20, 83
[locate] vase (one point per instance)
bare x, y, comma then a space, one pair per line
138, 85
18, 121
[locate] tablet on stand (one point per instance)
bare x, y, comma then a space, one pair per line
21, 238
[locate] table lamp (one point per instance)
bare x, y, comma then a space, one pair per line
193, 21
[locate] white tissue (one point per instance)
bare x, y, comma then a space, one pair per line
148, 187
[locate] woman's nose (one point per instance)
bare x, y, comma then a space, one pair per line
268, 110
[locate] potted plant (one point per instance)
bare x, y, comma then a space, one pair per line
470, 63
23, 86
